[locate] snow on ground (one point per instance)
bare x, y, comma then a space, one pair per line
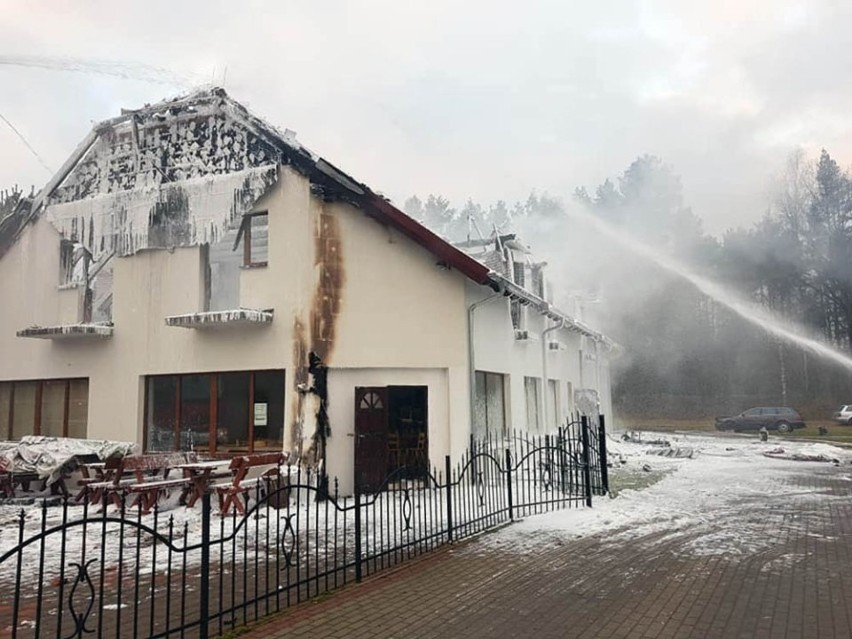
729, 498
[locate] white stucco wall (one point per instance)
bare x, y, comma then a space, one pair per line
398, 311
397, 319
496, 350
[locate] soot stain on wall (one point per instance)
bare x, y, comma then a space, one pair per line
300, 378
327, 301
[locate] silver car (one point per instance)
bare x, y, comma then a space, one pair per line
844, 415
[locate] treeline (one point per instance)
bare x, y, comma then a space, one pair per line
686, 355
9, 200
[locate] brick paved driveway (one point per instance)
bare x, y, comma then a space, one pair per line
797, 582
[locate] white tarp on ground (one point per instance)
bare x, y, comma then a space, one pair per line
46, 456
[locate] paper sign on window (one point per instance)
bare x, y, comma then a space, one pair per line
260, 413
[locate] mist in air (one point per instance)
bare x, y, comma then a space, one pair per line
705, 325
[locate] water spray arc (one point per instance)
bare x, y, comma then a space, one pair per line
747, 310
114, 68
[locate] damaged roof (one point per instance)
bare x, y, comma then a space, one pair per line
164, 146
157, 166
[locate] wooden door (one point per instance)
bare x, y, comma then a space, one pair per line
371, 437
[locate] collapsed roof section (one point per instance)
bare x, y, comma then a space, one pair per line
184, 171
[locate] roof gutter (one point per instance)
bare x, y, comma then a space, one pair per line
512, 290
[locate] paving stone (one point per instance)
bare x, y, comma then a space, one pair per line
586, 588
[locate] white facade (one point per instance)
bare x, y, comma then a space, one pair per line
378, 299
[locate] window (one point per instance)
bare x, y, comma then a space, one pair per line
532, 394
518, 273
254, 234
50, 407
552, 404
78, 408
195, 412
538, 280
267, 415
53, 407
5, 409
232, 413
489, 404
517, 315
240, 411
517, 310
569, 403
74, 261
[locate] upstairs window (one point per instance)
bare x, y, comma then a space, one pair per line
518, 274
74, 262
538, 281
519, 315
254, 236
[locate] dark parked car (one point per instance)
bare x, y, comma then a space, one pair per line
777, 418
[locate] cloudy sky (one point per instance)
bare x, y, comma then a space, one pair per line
478, 99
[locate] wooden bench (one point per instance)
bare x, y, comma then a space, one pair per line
96, 477
144, 476
249, 471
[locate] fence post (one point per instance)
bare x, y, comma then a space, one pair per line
357, 533
205, 566
448, 479
509, 484
602, 453
587, 464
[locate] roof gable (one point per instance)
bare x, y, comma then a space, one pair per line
172, 142
161, 150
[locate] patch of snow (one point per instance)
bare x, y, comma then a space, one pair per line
729, 499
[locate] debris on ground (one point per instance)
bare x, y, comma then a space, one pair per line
635, 437
681, 453
779, 453
646, 468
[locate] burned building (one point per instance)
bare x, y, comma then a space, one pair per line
194, 278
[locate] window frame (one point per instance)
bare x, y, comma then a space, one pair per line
37, 400
213, 426
535, 382
490, 378
244, 234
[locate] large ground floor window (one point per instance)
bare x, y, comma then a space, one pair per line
490, 404
532, 394
50, 407
232, 412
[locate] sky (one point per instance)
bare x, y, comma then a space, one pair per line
488, 100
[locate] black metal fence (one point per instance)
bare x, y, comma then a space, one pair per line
73, 572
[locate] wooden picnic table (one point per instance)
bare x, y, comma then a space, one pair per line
93, 473
144, 477
201, 474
